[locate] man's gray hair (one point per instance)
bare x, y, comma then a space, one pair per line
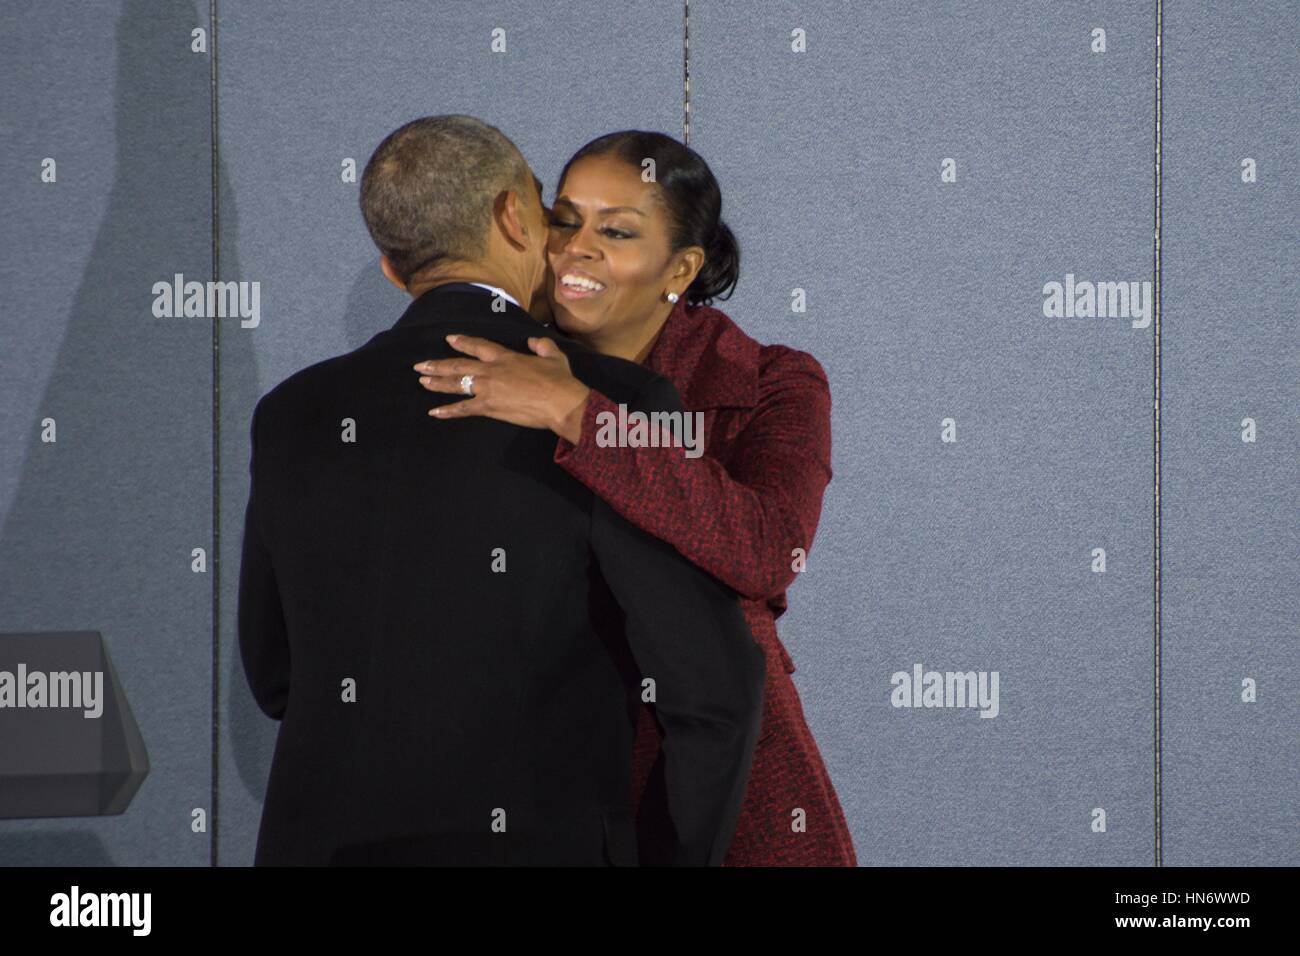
428, 191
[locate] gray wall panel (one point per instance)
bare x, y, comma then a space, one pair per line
300, 93
1230, 551
925, 302
98, 527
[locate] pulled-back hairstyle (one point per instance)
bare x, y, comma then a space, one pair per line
690, 195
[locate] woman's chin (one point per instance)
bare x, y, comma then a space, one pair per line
568, 322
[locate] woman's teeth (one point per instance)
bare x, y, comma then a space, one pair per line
578, 282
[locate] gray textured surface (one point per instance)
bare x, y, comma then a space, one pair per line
97, 528
924, 303
1231, 555
297, 97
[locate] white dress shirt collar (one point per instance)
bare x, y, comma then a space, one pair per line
498, 291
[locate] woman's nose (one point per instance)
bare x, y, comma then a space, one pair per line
578, 243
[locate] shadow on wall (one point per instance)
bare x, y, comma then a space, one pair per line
100, 531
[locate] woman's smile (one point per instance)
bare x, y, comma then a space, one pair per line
572, 284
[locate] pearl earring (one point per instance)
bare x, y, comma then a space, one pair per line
673, 297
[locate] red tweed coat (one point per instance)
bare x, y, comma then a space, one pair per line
738, 512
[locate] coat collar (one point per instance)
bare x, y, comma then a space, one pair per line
456, 299
706, 355
700, 350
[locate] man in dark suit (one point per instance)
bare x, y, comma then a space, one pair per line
452, 631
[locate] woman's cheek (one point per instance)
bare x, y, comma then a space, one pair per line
565, 320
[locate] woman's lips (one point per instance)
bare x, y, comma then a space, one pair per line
572, 293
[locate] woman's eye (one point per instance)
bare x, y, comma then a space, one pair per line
557, 223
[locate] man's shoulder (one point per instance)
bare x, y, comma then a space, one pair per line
291, 401
301, 384
617, 378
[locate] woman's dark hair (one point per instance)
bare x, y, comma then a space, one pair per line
691, 196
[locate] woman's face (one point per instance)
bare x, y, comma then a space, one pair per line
608, 228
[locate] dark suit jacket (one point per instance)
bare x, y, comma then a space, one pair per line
453, 631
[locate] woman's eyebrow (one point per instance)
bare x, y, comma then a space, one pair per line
608, 209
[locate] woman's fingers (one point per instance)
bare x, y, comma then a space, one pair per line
485, 349
456, 366
514, 387
471, 406
543, 346
449, 383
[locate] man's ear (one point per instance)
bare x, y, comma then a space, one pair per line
508, 213
386, 267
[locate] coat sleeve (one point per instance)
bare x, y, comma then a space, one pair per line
740, 519
263, 637
688, 635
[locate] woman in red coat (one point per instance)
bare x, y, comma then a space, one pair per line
636, 261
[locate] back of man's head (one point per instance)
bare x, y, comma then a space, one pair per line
428, 191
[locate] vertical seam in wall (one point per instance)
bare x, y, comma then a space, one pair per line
216, 446
686, 72
1159, 852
